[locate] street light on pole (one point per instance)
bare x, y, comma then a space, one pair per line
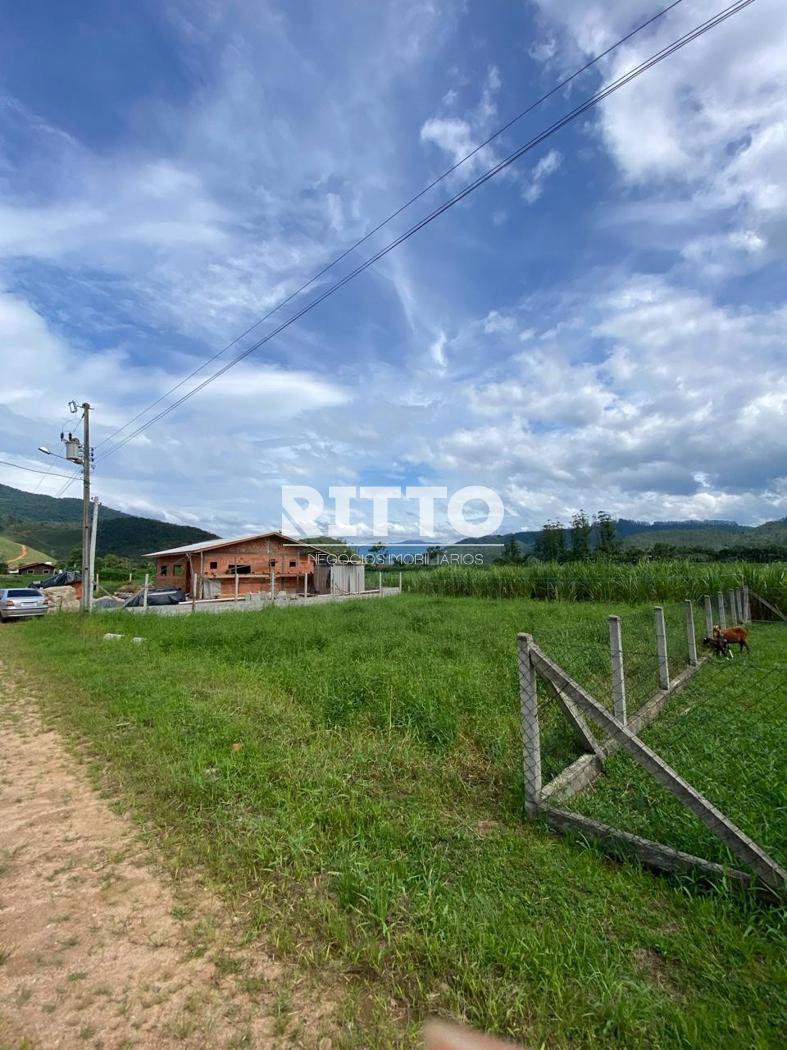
81, 453
49, 452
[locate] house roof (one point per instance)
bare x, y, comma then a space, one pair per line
210, 545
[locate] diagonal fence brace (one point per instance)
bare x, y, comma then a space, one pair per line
728, 833
576, 720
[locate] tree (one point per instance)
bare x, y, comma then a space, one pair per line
607, 540
74, 560
3, 568
433, 552
580, 536
112, 565
551, 544
379, 550
511, 553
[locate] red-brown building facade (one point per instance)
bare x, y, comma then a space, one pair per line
245, 565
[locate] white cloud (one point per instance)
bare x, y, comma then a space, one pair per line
451, 134
547, 165
437, 350
609, 390
497, 323
710, 122
459, 135
676, 416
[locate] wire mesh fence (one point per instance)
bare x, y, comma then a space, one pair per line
723, 731
618, 660
720, 726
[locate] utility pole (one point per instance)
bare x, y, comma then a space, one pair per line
83, 455
87, 580
92, 559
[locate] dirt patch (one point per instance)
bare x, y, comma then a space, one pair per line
656, 968
97, 948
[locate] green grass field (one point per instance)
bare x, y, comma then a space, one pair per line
725, 730
10, 549
371, 827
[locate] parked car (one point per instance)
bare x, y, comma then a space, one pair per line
18, 602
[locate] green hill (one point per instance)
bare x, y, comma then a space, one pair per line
771, 533
45, 523
643, 535
18, 505
10, 552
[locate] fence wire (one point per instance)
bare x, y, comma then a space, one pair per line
716, 718
586, 655
724, 731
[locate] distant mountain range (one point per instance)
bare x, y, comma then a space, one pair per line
711, 535
54, 526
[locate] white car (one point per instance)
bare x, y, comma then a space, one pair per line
19, 602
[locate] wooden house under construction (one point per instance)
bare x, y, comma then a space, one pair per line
267, 562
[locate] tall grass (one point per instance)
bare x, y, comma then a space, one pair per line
599, 581
350, 776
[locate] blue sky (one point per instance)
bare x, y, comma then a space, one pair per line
602, 326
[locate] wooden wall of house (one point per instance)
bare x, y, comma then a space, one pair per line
263, 556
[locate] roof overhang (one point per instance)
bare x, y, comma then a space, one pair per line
212, 545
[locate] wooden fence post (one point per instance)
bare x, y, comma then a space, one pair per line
400, 583
746, 604
721, 826
661, 645
722, 615
733, 607
708, 617
145, 592
531, 736
618, 677
692, 638
380, 582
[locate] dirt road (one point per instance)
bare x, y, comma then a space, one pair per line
97, 948
21, 556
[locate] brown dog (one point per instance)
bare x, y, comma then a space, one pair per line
733, 634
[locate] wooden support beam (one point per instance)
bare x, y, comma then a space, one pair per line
618, 676
722, 614
582, 772
577, 722
708, 617
661, 646
736, 840
690, 635
767, 604
531, 736
651, 854
573, 778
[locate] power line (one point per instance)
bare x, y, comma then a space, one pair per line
77, 474
52, 467
32, 470
417, 196
593, 100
